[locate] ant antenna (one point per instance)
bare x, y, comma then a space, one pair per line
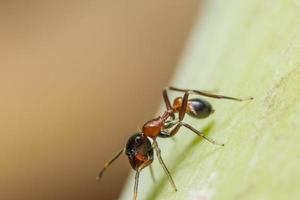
139, 128
108, 164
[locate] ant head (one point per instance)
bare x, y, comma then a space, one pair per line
139, 151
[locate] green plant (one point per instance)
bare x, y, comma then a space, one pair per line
243, 48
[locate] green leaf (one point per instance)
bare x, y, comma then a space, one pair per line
242, 48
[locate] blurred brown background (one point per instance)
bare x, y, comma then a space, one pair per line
76, 79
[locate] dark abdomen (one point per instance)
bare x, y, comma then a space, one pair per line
199, 108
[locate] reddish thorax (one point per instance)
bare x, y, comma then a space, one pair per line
153, 127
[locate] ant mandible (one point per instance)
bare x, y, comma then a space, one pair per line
139, 147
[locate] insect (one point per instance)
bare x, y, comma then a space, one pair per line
140, 146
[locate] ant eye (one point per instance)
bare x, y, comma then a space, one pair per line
138, 140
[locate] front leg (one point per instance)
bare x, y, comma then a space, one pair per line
162, 163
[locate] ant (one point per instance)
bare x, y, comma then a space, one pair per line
139, 147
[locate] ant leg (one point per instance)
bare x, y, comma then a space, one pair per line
136, 185
175, 130
180, 123
152, 173
208, 94
158, 153
168, 104
108, 164
200, 134
215, 90
182, 110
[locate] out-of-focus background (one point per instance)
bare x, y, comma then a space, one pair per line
76, 79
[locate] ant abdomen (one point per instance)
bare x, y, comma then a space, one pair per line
199, 108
